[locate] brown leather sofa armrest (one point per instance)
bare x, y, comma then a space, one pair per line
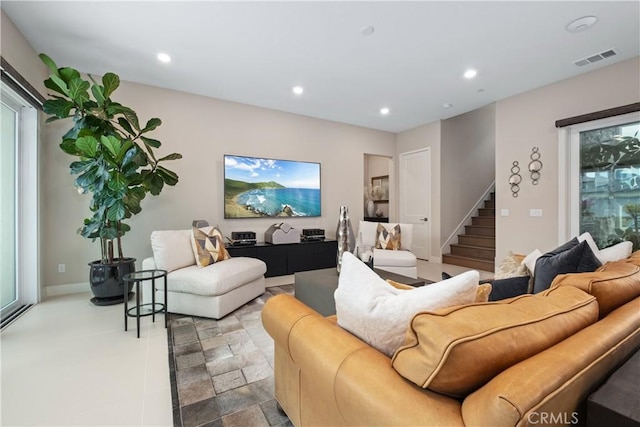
280, 314
370, 392
553, 383
342, 380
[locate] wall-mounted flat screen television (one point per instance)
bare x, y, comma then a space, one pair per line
258, 187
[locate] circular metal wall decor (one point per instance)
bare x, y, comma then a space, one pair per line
515, 179
535, 165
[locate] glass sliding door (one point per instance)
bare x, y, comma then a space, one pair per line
604, 180
9, 296
610, 184
19, 207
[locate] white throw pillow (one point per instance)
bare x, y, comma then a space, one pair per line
379, 314
530, 260
172, 249
614, 253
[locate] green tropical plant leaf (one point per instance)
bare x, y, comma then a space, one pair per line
86, 179
59, 85
81, 166
118, 183
116, 211
168, 176
151, 125
110, 81
87, 145
78, 90
50, 63
172, 156
151, 142
126, 125
58, 107
132, 117
68, 74
50, 84
98, 94
112, 144
154, 183
69, 147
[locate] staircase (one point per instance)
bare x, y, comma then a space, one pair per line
476, 248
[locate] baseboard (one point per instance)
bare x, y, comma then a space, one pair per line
435, 259
279, 280
71, 288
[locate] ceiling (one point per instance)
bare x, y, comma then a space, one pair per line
255, 52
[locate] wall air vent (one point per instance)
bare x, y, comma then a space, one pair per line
595, 58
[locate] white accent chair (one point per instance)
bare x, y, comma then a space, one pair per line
213, 291
401, 262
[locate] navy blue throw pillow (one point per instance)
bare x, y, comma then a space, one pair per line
508, 288
572, 257
503, 288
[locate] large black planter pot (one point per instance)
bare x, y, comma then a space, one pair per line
106, 281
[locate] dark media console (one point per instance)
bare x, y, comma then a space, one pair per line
290, 258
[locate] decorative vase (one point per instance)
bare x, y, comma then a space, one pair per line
107, 282
371, 208
344, 235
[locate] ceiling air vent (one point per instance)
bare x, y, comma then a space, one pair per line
595, 58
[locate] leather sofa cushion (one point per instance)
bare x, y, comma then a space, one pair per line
634, 258
614, 284
455, 351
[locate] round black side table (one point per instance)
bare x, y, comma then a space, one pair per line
149, 309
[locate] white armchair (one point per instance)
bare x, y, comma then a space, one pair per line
401, 261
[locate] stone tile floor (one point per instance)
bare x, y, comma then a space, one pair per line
222, 370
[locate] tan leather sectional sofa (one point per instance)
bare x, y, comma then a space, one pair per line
527, 361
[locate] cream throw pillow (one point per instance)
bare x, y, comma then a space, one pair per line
208, 245
388, 238
613, 253
511, 266
379, 314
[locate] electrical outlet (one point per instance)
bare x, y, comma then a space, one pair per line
535, 212
61, 268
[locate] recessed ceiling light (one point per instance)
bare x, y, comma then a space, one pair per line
367, 30
164, 58
470, 73
581, 24
298, 90
384, 111
447, 105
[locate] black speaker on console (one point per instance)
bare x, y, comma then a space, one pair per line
309, 234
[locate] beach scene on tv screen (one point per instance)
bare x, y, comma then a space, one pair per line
255, 187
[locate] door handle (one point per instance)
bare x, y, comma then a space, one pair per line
425, 219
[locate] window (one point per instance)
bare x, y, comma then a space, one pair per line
601, 162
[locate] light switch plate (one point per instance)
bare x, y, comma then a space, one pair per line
504, 212
535, 212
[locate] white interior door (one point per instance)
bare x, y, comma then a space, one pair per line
415, 197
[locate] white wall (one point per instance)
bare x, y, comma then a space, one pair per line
203, 129
468, 164
527, 120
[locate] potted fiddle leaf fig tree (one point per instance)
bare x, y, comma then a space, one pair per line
115, 163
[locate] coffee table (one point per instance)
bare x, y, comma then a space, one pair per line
315, 288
